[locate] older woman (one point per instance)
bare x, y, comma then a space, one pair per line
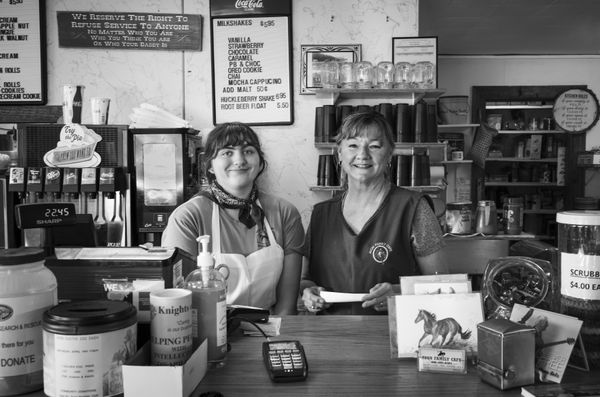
363, 240
258, 236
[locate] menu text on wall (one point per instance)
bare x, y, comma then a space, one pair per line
22, 52
251, 64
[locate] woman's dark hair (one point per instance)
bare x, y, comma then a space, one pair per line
357, 124
229, 135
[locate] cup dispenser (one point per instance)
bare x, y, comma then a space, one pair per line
162, 174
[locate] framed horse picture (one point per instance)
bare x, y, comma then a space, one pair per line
434, 320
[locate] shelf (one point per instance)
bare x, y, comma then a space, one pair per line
522, 184
529, 132
454, 127
397, 145
337, 94
340, 188
541, 212
457, 162
521, 160
516, 106
500, 236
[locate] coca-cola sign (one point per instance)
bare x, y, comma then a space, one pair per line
249, 4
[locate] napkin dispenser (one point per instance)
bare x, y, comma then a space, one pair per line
506, 353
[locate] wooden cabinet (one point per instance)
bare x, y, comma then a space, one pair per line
529, 157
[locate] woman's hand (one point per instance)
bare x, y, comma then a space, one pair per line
377, 297
312, 300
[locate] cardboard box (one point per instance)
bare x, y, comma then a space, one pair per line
142, 379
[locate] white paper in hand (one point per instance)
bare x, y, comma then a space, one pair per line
341, 297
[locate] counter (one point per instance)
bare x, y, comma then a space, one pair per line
347, 356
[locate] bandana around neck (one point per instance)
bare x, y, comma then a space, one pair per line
250, 213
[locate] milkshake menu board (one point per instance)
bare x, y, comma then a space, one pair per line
22, 52
251, 70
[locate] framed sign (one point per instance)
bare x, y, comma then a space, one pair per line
415, 49
576, 110
23, 77
251, 62
313, 54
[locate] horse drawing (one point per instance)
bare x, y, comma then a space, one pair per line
446, 329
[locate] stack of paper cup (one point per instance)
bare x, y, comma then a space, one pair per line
99, 108
170, 326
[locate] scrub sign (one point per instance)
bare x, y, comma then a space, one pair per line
251, 70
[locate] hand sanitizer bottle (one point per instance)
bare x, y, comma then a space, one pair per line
209, 307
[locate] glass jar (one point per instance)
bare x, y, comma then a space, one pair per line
513, 215
486, 222
423, 75
27, 289
402, 75
347, 75
316, 76
364, 74
330, 74
385, 74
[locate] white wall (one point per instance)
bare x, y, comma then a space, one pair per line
181, 82
457, 74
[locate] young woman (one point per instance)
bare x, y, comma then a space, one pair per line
258, 236
365, 239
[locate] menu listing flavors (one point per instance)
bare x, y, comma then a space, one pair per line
21, 42
251, 82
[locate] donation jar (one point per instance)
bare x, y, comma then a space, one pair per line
85, 345
27, 289
579, 247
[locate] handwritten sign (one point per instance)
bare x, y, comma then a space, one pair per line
251, 70
576, 110
129, 30
22, 52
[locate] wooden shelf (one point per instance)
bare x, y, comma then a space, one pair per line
518, 106
541, 212
337, 94
455, 127
521, 160
500, 236
529, 132
397, 145
340, 188
523, 184
457, 162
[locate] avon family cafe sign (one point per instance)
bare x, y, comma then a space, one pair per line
251, 61
129, 30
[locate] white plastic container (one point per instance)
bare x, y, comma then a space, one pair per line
85, 346
27, 289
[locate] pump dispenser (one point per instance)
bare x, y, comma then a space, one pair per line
209, 306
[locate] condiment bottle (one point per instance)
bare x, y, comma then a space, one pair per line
209, 307
513, 215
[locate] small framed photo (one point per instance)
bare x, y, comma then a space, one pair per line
311, 55
414, 50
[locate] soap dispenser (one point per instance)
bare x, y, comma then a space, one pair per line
209, 306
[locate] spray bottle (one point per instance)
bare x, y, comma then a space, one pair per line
209, 307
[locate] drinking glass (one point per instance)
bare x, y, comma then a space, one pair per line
402, 75
364, 74
385, 74
347, 75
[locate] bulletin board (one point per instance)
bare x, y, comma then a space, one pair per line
251, 62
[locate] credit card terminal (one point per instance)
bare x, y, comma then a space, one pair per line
285, 361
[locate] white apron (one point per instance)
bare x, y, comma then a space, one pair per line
252, 279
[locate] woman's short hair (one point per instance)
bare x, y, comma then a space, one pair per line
230, 135
359, 124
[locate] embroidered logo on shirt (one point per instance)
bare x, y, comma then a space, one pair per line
380, 252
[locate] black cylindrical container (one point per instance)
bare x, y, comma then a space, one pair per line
403, 128
85, 345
